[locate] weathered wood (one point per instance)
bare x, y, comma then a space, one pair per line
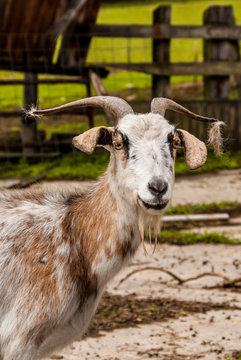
101, 91
160, 31
11, 138
71, 12
193, 68
79, 80
161, 53
29, 31
89, 110
29, 131
75, 48
48, 68
24, 30
219, 50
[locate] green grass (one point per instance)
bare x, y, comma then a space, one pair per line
201, 208
188, 238
79, 165
229, 160
71, 166
228, 357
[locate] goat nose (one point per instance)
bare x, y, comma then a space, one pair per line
157, 187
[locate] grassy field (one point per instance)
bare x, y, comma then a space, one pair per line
112, 50
77, 165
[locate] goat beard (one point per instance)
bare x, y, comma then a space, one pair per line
149, 225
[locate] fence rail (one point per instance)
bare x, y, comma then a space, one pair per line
186, 68
221, 59
161, 31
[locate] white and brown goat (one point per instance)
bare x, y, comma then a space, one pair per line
58, 251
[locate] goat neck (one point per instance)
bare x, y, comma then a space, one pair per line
106, 233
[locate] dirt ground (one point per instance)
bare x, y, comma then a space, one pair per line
150, 315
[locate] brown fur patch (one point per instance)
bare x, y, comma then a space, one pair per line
92, 224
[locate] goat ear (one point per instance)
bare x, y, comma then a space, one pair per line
97, 136
195, 151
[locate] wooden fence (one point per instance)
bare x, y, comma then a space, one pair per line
221, 61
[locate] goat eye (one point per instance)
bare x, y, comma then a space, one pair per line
119, 146
176, 142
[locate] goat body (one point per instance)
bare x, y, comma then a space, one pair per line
58, 251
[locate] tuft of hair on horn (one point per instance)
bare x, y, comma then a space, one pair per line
32, 112
215, 138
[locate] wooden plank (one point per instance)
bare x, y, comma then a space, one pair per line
45, 81
46, 68
162, 31
29, 131
74, 49
193, 68
161, 52
27, 37
219, 50
17, 156
71, 12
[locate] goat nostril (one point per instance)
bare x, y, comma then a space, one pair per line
158, 187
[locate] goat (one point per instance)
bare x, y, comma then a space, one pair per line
59, 250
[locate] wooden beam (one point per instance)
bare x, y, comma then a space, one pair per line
45, 81
161, 52
219, 50
42, 68
72, 11
162, 31
194, 68
29, 125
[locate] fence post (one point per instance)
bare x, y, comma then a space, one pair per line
29, 132
89, 111
161, 52
217, 87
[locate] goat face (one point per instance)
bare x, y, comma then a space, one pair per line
144, 158
143, 149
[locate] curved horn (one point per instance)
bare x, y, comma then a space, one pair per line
160, 105
118, 107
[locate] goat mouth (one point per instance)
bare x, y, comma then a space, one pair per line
153, 206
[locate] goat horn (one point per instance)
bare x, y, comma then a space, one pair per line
118, 107
160, 105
